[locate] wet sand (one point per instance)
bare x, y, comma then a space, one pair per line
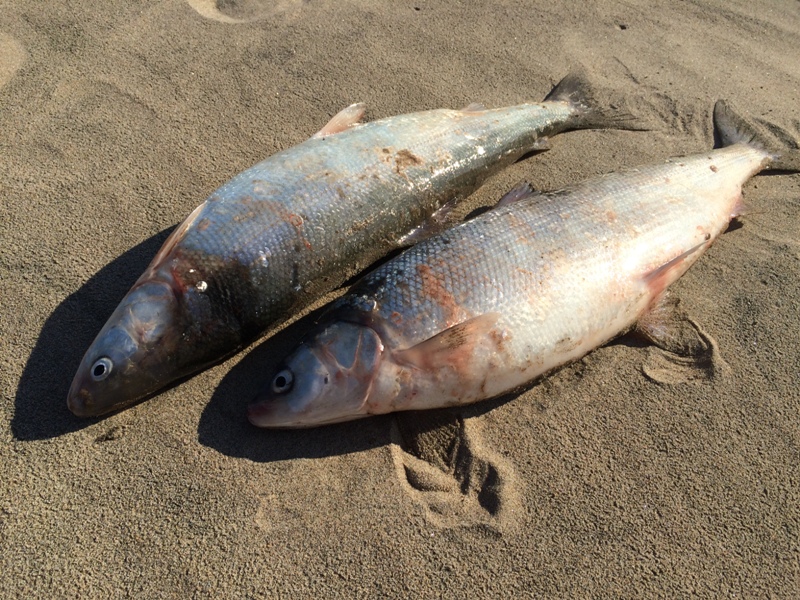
632, 473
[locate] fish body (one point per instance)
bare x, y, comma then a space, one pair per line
276, 236
499, 300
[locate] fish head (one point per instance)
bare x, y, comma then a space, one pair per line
327, 379
130, 357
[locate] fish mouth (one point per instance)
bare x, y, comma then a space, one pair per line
79, 401
270, 413
267, 413
259, 413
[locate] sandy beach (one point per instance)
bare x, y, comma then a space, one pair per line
632, 473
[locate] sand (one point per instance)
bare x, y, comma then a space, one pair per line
632, 473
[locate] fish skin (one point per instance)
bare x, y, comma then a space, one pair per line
279, 234
497, 301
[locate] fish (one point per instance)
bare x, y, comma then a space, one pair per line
498, 301
280, 234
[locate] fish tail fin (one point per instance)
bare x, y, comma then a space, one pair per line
731, 128
576, 90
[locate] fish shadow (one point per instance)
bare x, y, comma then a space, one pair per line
40, 405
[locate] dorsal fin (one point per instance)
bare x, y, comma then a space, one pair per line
519, 192
343, 120
474, 107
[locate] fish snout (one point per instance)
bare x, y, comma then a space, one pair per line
133, 355
85, 399
286, 402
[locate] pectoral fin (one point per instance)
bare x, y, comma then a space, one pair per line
343, 120
452, 347
658, 279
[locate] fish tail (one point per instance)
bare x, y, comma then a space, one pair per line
731, 128
590, 113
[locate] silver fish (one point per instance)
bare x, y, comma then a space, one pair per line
497, 301
283, 232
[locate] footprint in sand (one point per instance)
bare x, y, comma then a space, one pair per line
12, 55
444, 465
241, 11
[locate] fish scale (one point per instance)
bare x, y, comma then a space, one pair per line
276, 236
499, 300
563, 246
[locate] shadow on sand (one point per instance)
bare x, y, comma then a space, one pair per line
41, 400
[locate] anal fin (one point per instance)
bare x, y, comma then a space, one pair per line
540, 145
343, 120
739, 209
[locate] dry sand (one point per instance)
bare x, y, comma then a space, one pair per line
631, 473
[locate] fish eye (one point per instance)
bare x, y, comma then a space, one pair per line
101, 369
282, 382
